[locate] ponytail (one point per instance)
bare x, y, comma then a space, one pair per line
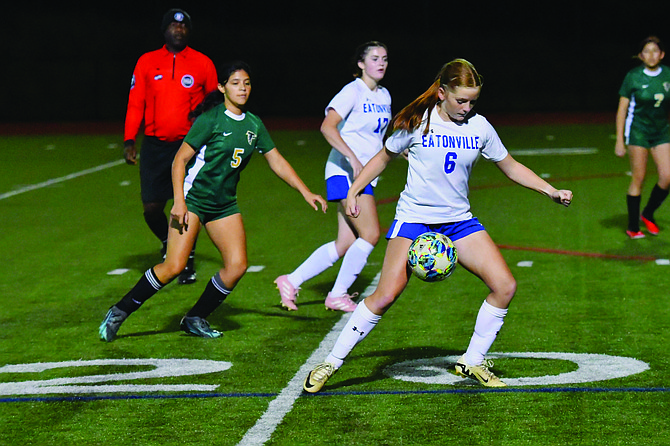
410, 117
213, 99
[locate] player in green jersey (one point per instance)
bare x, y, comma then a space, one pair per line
642, 126
205, 173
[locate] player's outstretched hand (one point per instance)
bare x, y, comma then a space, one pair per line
563, 197
315, 200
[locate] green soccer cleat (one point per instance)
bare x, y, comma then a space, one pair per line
111, 324
198, 326
318, 377
479, 372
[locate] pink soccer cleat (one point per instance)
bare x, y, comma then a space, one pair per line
341, 303
287, 292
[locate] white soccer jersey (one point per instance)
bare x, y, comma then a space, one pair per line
440, 164
365, 116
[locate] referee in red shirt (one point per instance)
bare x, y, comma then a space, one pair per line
167, 85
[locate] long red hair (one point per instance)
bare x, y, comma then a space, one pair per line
457, 73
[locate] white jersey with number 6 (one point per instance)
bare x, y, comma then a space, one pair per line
440, 163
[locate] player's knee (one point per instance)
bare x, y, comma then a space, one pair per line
506, 289
236, 269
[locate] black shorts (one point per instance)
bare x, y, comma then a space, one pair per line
156, 158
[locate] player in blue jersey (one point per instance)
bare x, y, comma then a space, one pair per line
355, 124
642, 126
443, 137
205, 174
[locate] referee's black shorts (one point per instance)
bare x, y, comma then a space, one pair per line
156, 158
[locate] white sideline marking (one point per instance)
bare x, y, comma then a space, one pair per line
118, 271
61, 179
557, 151
280, 406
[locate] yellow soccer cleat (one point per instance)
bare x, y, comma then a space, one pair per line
318, 377
479, 372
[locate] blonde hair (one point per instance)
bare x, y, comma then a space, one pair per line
457, 73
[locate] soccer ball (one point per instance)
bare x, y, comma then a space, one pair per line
432, 257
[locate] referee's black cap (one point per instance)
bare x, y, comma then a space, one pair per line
176, 15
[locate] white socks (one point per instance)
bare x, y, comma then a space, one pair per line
323, 258
489, 322
352, 264
360, 323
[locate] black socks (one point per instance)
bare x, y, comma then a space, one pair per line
147, 286
633, 204
215, 293
656, 198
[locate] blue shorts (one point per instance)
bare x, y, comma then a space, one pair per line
337, 188
454, 231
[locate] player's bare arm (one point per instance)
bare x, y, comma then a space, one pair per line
285, 171
524, 176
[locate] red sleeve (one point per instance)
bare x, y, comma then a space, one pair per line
212, 81
136, 98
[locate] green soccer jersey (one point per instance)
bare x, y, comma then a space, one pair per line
649, 95
225, 143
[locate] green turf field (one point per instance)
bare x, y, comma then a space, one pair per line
583, 344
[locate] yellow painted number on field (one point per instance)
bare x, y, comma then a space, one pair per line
659, 98
237, 158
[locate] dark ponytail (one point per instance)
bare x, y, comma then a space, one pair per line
213, 99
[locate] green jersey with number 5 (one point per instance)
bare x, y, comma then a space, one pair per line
224, 143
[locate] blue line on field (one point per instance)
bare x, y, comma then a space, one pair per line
500, 390
349, 393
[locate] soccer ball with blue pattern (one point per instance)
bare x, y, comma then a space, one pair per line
432, 257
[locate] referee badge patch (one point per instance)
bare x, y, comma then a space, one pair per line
187, 81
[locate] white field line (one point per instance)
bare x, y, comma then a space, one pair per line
61, 179
556, 151
280, 406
